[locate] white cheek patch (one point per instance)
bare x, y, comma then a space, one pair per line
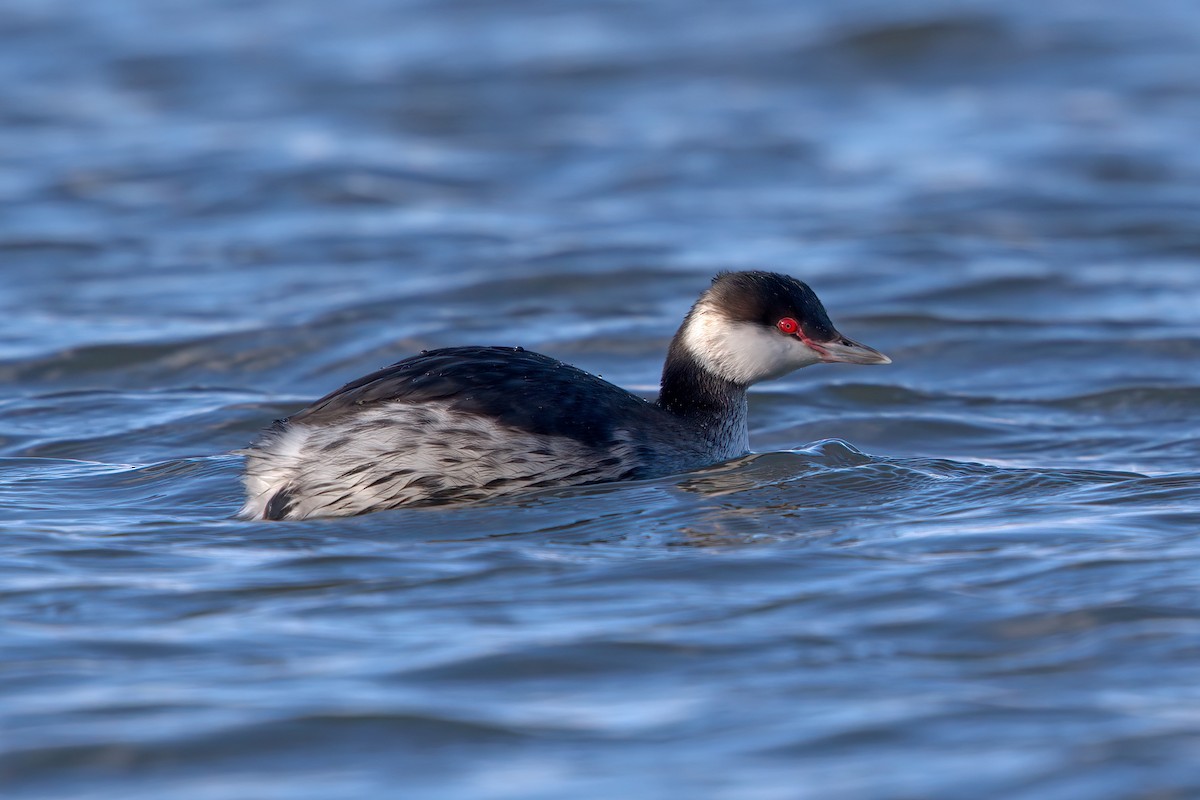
743, 352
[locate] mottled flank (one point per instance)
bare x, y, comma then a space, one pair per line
462, 424
437, 454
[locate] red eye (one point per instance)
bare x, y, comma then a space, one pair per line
788, 325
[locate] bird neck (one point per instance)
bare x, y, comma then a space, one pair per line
716, 407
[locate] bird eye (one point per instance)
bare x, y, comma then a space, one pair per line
788, 325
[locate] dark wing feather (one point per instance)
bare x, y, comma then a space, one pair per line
515, 387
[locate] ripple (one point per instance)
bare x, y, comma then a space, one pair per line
970, 573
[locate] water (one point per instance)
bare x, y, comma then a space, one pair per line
970, 574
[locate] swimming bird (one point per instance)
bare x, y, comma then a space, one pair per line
467, 423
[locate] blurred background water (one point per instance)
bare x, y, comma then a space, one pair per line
970, 574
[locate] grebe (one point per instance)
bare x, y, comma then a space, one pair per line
467, 423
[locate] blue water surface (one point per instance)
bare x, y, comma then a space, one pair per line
972, 573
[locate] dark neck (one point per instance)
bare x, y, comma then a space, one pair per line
693, 393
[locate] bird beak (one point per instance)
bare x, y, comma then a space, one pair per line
847, 351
